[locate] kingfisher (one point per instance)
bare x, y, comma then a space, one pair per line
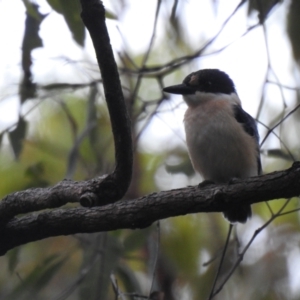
222, 139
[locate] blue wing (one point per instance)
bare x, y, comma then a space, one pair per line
249, 125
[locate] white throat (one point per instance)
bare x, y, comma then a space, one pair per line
201, 97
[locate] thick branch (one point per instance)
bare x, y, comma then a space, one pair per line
35, 199
143, 211
115, 185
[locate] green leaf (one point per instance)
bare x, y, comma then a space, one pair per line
184, 167
178, 161
129, 279
32, 10
101, 253
110, 15
71, 10
278, 153
262, 7
137, 239
17, 136
31, 40
35, 174
293, 27
37, 279
34, 19
1, 137
13, 259
56, 5
48, 274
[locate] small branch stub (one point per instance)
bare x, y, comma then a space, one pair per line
88, 200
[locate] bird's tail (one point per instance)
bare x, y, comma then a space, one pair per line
239, 214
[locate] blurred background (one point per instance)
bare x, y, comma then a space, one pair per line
54, 125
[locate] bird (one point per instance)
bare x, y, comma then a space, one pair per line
222, 139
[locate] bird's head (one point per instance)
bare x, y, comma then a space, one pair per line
206, 84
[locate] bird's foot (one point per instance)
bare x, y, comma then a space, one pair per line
234, 180
205, 183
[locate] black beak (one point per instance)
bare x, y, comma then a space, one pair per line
180, 89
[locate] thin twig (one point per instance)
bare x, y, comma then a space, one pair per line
279, 123
241, 255
156, 258
221, 262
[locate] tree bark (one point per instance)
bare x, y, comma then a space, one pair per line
133, 214
114, 186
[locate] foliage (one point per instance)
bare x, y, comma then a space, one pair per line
63, 130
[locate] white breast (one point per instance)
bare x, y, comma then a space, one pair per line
218, 146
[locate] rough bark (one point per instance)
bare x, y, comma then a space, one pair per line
113, 187
137, 213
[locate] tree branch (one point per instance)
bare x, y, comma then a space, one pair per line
137, 213
115, 185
